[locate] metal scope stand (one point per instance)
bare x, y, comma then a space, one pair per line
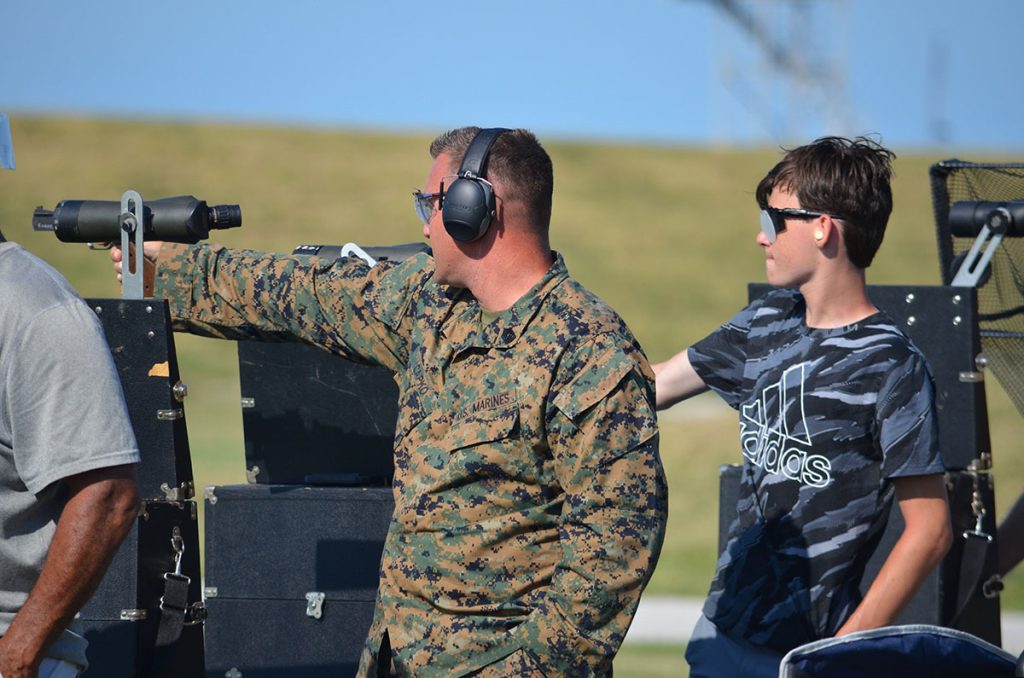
139, 621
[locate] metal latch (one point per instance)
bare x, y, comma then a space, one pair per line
133, 615
978, 508
314, 604
170, 415
978, 375
184, 491
981, 464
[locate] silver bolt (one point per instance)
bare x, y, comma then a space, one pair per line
911, 320
910, 297
956, 321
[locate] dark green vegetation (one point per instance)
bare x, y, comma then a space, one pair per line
666, 235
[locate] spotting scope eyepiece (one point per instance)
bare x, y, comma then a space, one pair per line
183, 219
967, 217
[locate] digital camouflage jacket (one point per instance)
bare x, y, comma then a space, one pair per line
530, 500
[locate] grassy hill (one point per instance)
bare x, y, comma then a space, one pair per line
666, 235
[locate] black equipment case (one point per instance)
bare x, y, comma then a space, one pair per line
312, 418
128, 632
121, 620
139, 334
291, 577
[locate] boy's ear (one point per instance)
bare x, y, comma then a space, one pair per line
825, 229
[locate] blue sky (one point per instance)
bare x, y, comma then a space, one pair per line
937, 74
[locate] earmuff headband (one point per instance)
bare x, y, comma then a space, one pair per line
475, 160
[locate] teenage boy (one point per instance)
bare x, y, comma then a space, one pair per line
837, 419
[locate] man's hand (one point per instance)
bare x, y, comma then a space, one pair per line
150, 252
15, 665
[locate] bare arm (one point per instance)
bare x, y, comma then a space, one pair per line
101, 508
924, 542
676, 380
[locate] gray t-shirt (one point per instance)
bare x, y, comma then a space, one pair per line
62, 412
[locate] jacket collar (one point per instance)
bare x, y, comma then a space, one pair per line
503, 331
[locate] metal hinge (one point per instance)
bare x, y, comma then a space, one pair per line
982, 463
184, 491
314, 604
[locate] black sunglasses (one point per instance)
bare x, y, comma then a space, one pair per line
773, 219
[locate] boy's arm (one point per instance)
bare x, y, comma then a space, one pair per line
676, 380
924, 542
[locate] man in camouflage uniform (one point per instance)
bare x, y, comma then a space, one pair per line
837, 420
530, 501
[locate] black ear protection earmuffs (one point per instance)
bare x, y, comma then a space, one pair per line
469, 202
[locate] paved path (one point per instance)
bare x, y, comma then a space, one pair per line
670, 620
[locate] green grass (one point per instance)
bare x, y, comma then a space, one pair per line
666, 235
651, 661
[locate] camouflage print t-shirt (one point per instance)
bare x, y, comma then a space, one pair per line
828, 417
530, 501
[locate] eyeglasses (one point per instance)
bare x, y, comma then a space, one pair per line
773, 219
424, 203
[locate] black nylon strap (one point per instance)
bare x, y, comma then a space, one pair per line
173, 607
972, 565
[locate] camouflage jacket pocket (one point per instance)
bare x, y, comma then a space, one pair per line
484, 422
